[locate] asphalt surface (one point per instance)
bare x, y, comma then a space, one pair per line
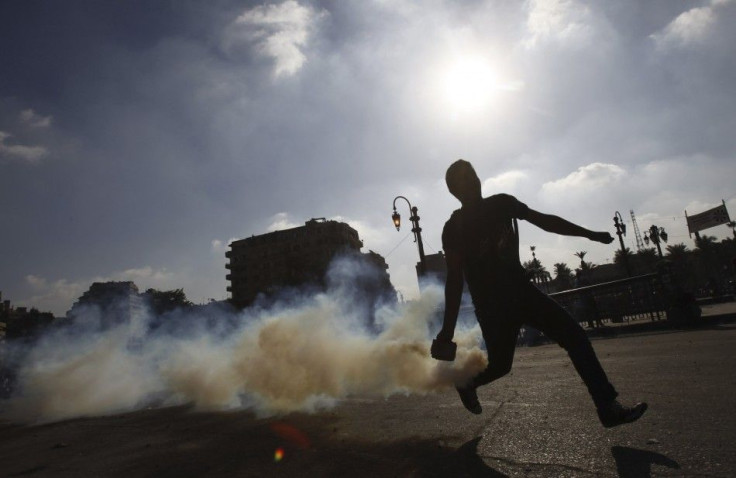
538, 421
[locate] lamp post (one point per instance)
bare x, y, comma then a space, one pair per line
656, 235
618, 221
414, 218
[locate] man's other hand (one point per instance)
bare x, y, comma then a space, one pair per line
604, 237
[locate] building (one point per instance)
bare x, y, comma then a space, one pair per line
270, 262
436, 267
20, 322
115, 302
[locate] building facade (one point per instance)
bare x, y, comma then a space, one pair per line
270, 262
116, 302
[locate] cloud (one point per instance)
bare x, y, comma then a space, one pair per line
586, 178
54, 296
29, 154
36, 282
146, 274
281, 221
565, 22
690, 28
34, 120
504, 182
280, 32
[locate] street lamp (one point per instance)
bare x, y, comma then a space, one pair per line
618, 221
414, 218
656, 235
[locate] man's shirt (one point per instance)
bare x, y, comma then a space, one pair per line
483, 235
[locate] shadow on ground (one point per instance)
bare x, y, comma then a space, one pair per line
176, 442
635, 463
462, 462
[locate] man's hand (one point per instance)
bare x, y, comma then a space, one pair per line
445, 335
603, 237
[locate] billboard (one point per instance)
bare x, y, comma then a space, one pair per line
712, 217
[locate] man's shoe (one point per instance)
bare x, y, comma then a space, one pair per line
614, 414
469, 397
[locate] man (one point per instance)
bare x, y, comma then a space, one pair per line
481, 244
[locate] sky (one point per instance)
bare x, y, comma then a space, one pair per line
139, 138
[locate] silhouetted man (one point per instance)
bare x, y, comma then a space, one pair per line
480, 243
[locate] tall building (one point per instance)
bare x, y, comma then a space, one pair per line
116, 302
269, 262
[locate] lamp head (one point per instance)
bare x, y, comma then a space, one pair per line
396, 217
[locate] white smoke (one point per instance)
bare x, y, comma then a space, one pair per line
303, 356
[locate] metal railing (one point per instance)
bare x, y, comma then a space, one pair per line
622, 300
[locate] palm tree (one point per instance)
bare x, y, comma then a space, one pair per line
623, 256
544, 274
581, 255
537, 272
682, 269
563, 276
704, 242
732, 225
647, 259
677, 252
533, 267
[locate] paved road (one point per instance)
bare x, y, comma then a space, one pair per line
536, 422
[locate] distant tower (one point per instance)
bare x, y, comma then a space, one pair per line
639, 242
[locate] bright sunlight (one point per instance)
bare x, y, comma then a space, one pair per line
472, 85
469, 84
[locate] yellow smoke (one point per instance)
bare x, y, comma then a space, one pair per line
298, 359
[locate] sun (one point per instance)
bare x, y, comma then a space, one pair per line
469, 84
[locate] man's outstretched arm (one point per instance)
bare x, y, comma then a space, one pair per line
557, 225
453, 295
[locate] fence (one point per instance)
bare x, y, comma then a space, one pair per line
618, 301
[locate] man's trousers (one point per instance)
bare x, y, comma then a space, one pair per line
501, 316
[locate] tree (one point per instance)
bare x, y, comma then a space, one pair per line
622, 256
581, 255
168, 300
681, 266
646, 260
732, 225
677, 252
704, 242
537, 271
585, 267
563, 276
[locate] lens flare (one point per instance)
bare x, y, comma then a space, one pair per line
278, 455
291, 434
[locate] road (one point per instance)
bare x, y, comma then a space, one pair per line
538, 421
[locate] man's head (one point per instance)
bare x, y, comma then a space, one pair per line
463, 182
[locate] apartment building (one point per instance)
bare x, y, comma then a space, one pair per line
293, 257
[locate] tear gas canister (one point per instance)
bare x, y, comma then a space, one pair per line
443, 350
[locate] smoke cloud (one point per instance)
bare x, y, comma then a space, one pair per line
301, 354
